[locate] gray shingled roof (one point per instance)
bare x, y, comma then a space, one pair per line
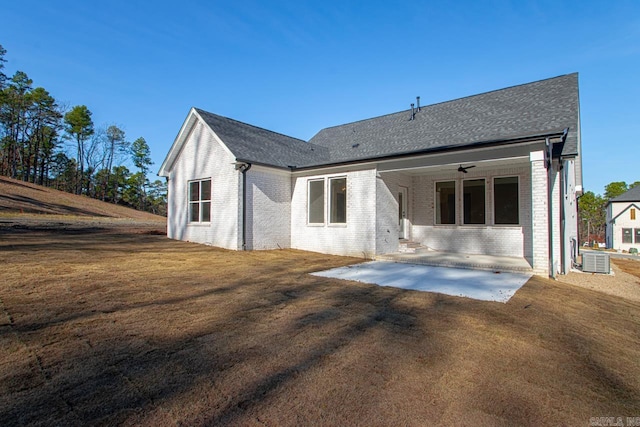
538, 108
254, 144
531, 109
632, 195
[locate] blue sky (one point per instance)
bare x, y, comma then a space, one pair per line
296, 67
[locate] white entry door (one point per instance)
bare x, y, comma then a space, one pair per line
402, 212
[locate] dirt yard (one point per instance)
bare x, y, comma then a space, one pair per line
112, 324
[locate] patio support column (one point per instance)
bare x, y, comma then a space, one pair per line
539, 213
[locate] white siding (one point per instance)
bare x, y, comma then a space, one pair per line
570, 239
623, 220
356, 238
204, 157
268, 208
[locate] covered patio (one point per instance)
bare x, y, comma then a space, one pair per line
480, 216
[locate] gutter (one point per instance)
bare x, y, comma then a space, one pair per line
489, 143
451, 148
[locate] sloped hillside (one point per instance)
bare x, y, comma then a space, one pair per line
23, 197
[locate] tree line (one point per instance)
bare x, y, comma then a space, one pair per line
592, 210
46, 143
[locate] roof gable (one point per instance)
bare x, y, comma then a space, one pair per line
631, 205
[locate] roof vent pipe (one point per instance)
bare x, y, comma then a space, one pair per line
413, 112
418, 101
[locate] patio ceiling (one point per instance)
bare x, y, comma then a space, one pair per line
492, 157
453, 167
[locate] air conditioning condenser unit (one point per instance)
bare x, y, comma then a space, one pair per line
596, 263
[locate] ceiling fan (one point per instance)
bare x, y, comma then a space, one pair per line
464, 169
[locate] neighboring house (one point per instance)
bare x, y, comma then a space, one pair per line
623, 220
495, 173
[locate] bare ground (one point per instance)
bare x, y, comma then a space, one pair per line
112, 324
624, 282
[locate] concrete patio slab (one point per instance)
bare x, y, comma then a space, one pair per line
477, 284
492, 263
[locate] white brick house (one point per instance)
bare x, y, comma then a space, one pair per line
496, 173
623, 221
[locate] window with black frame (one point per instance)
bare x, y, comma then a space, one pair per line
473, 191
505, 201
445, 202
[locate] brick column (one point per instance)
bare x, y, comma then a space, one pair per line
539, 213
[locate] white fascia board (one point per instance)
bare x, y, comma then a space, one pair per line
178, 143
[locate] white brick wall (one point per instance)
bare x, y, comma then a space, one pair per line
387, 226
357, 237
277, 208
268, 208
489, 239
204, 157
540, 214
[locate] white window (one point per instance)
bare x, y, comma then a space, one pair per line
338, 200
506, 207
446, 202
473, 191
315, 203
200, 200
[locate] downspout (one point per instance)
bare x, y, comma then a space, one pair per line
549, 164
563, 219
563, 226
244, 167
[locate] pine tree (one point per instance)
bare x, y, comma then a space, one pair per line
79, 127
141, 156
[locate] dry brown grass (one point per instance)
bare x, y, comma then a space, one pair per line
23, 197
105, 326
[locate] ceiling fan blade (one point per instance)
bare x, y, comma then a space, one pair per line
464, 168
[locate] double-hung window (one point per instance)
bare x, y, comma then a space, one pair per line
626, 235
200, 200
506, 208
